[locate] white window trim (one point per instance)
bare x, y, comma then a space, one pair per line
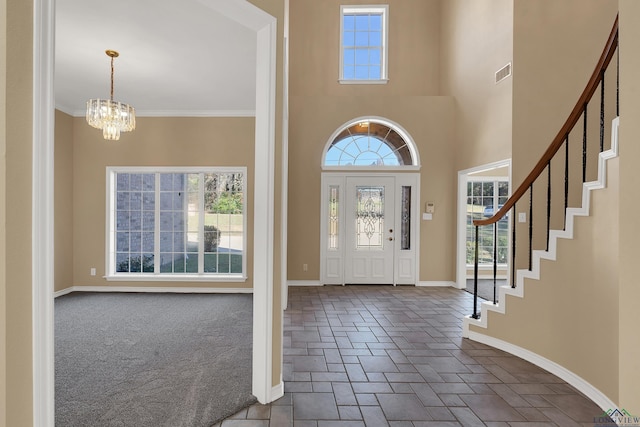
111, 275
384, 10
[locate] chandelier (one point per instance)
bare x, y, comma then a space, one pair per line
111, 116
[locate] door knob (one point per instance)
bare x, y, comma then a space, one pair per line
390, 238
390, 230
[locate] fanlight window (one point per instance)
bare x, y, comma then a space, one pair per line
368, 144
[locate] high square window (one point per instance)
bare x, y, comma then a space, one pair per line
176, 224
363, 44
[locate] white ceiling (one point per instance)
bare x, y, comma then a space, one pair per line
177, 57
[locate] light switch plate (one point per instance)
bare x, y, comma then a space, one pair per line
427, 216
522, 217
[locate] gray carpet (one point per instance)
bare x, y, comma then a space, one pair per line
485, 288
151, 359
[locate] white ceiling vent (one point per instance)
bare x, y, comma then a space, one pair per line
503, 73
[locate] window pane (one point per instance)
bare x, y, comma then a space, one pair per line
362, 72
349, 38
334, 209
405, 219
374, 58
369, 218
375, 22
375, 38
362, 38
362, 56
362, 22
349, 22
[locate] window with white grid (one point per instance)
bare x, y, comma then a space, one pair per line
176, 223
363, 44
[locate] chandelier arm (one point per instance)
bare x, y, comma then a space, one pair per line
112, 78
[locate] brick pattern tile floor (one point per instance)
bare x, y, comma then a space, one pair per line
369, 356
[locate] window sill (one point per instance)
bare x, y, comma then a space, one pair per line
176, 278
363, 82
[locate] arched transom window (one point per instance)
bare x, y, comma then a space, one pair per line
370, 143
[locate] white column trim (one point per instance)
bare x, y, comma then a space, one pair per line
264, 195
42, 270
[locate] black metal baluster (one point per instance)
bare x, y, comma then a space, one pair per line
602, 112
566, 180
584, 146
530, 227
513, 246
475, 280
548, 201
495, 258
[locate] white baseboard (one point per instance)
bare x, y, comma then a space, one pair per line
155, 289
436, 283
576, 381
304, 283
277, 391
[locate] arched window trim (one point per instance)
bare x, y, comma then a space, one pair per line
380, 120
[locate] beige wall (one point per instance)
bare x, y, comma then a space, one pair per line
414, 27
575, 309
155, 142
477, 41
17, 179
556, 45
629, 293
63, 201
3, 214
319, 105
429, 120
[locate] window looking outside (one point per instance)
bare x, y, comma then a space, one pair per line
484, 199
368, 144
363, 44
166, 222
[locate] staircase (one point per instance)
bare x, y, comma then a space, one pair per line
555, 235
577, 268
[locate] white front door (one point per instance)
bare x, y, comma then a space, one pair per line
360, 213
369, 229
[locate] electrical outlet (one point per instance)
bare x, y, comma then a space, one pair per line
93, 271
522, 217
305, 267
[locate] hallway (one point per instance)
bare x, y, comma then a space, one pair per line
359, 356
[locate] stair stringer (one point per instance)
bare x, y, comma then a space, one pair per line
534, 274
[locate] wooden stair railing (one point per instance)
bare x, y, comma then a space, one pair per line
562, 138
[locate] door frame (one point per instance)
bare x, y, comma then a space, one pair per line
265, 29
461, 247
337, 261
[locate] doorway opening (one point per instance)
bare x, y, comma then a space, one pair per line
481, 192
